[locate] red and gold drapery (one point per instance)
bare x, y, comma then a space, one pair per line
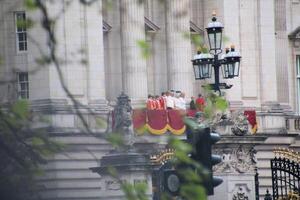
158, 122
251, 116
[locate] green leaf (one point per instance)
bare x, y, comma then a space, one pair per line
179, 145
190, 176
145, 48
25, 24
193, 192
128, 189
44, 60
36, 141
100, 122
221, 104
115, 139
30, 4
112, 171
140, 190
20, 108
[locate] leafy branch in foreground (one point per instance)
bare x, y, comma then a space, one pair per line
192, 172
22, 149
215, 105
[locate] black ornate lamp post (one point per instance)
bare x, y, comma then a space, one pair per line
204, 62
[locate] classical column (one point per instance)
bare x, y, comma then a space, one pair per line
268, 76
180, 75
95, 53
133, 64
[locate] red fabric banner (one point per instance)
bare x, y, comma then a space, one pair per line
139, 118
251, 116
176, 124
158, 121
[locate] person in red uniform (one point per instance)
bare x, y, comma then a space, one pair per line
150, 103
157, 103
162, 101
200, 103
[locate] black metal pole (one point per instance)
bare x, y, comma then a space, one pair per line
216, 65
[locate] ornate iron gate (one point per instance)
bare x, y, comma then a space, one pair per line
285, 169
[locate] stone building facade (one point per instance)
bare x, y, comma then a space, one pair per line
99, 49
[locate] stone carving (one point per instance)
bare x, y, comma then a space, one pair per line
240, 124
240, 195
236, 160
114, 184
222, 119
123, 119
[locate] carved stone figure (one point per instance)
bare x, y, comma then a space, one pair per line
240, 195
236, 160
123, 119
240, 124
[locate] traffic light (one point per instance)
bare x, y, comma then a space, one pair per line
202, 140
171, 182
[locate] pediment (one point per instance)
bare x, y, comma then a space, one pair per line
195, 29
295, 35
150, 26
106, 27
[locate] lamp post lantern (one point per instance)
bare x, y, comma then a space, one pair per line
204, 62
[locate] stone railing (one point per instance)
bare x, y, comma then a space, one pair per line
292, 123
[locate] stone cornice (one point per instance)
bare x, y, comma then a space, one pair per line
61, 106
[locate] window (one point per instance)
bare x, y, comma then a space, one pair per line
21, 36
23, 85
298, 80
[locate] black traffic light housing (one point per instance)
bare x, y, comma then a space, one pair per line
202, 140
172, 182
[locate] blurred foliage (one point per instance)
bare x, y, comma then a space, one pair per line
101, 122
193, 176
108, 5
215, 104
144, 48
135, 191
116, 140
30, 5
197, 40
25, 24
23, 149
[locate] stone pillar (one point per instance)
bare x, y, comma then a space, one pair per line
268, 78
242, 33
95, 53
178, 46
238, 167
133, 64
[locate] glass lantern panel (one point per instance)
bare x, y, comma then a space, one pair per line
218, 40
211, 39
196, 71
230, 70
205, 70
225, 70
237, 69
